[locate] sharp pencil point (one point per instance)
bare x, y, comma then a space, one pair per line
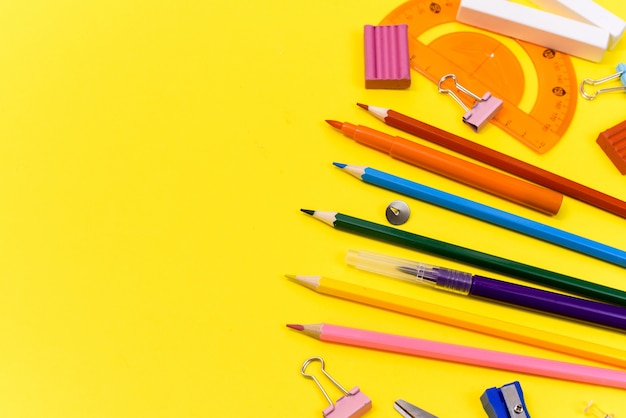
308, 211
364, 106
297, 327
312, 282
334, 123
355, 170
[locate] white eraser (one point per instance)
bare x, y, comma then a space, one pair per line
586, 11
536, 26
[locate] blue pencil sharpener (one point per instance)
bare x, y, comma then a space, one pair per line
505, 402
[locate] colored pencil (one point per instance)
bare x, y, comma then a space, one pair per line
482, 178
467, 284
466, 320
464, 354
499, 160
468, 256
488, 214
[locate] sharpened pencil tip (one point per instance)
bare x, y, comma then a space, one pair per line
312, 282
334, 123
340, 165
308, 211
297, 327
364, 106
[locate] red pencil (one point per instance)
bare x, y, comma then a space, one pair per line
499, 160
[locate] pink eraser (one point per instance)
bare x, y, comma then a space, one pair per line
387, 57
613, 143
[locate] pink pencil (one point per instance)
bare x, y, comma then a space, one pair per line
467, 355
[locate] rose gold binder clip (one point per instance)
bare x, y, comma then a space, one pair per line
352, 404
483, 110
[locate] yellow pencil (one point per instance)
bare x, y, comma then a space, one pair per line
466, 320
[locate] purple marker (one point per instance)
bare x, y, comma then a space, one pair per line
496, 290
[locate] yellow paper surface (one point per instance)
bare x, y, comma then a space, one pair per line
154, 157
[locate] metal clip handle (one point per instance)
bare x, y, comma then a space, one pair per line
621, 74
317, 382
458, 86
353, 403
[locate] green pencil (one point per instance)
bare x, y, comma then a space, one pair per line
465, 255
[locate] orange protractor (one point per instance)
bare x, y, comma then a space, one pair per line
482, 63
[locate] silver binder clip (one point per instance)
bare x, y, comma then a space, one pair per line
621, 74
482, 112
352, 404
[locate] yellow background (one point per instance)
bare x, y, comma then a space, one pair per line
154, 157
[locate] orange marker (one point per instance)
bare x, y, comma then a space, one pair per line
499, 184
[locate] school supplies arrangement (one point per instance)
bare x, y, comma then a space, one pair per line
487, 213
353, 403
463, 283
465, 320
463, 354
493, 67
475, 258
496, 183
498, 160
484, 65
